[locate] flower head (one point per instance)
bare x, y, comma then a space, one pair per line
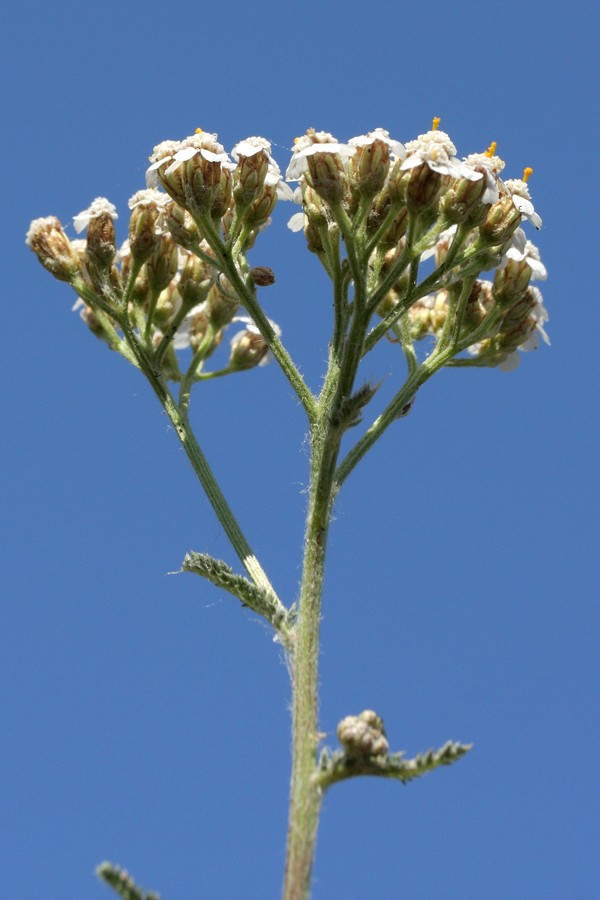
97, 208
487, 166
311, 143
173, 153
435, 150
379, 135
521, 198
530, 255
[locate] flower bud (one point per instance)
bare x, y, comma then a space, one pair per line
200, 326
396, 228
423, 188
248, 349
363, 735
220, 308
511, 282
501, 222
195, 173
250, 171
146, 208
167, 306
181, 226
262, 276
257, 214
368, 168
162, 266
101, 245
479, 305
327, 176
314, 242
195, 281
519, 330
54, 250
462, 201
428, 315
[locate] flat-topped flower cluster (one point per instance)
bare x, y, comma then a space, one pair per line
375, 211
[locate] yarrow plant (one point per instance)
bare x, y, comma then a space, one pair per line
406, 234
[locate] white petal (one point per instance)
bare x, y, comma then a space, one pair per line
296, 223
284, 191
511, 362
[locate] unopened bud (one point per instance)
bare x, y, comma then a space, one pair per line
194, 281
314, 242
479, 305
167, 306
363, 735
182, 227
462, 201
501, 222
220, 308
249, 175
53, 248
423, 188
262, 276
257, 214
89, 316
248, 349
162, 266
511, 282
199, 328
368, 168
396, 228
428, 315
143, 238
101, 241
327, 176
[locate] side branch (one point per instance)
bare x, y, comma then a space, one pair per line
260, 600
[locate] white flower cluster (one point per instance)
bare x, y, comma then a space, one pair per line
406, 202
472, 184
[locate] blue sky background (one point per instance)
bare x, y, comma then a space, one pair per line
145, 716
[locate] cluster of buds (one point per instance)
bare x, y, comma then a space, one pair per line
510, 302
363, 735
181, 277
407, 204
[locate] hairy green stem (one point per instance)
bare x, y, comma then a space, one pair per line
305, 794
200, 464
397, 407
247, 296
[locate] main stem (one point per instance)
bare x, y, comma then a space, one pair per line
305, 794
